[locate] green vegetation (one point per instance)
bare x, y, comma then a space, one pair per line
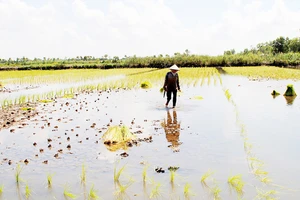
275, 93
216, 192
27, 191
117, 135
146, 85
266, 195
93, 194
83, 174
17, 174
117, 173
68, 194
290, 91
144, 174
156, 191
1, 189
237, 184
206, 175
279, 52
187, 191
49, 179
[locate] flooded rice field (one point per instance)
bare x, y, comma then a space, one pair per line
235, 142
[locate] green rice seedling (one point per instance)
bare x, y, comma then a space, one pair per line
265, 180
216, 192
123, 188
68, 194
17, 174
45, 101
172, 175
93, 194
49, 179
206, 175
267, 195
144, 174
259, 172
227, 94
237, 184
27, 191
83, 174
187, 191
117, 173
1, 189
156, 191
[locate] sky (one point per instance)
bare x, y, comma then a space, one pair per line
70, 28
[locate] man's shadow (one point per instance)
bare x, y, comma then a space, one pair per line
172, 130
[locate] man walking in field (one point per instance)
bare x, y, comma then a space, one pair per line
171, 85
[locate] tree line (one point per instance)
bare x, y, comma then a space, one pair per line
282, 51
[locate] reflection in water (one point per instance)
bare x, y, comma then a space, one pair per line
172, 129
289, 99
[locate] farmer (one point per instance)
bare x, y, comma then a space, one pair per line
171, 85
172, 129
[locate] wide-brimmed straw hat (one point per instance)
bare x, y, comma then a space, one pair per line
174, 67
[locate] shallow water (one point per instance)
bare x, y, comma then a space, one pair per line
209, 138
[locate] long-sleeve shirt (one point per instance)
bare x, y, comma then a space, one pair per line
172, 81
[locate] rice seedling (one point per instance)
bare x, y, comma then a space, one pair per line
27, 191
117, 173
67, 193
93, 194
1, 189
17, 174
265, 180
227, 94
156, 191
206, 175
187, 191
144, 174
216, 192
49, 179
172, 175
123, 188
83, 174
267, 195
237, 184
259, 172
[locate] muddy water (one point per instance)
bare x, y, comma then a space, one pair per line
205, 136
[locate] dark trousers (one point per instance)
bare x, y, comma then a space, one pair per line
169, 94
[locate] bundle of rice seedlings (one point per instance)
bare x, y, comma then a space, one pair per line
290, 91
118, 134
146, 85
116, 137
